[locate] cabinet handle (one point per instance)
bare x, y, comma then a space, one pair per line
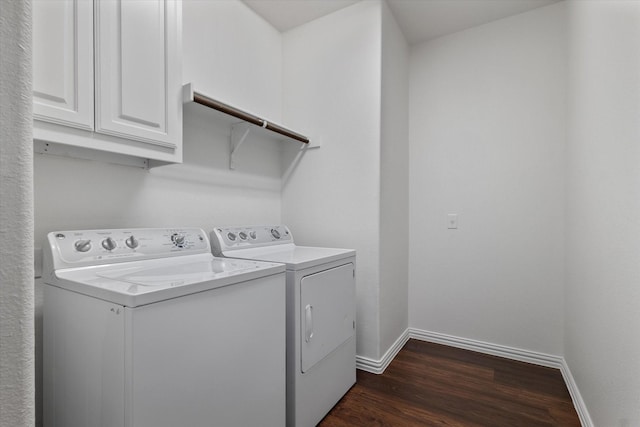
308, 322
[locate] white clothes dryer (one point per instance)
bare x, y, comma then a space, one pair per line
321, 342
145, 328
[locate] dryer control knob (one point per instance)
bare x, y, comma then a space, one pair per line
253, 235
242, 235
82, 245
275, 233
109, 244
231, 236
131, 242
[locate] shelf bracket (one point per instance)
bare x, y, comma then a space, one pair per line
239, 133
240, 130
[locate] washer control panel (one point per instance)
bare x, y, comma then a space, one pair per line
231, 238
93, 247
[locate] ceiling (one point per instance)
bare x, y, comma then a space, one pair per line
420, 20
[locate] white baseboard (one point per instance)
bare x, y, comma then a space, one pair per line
578, 403
378, 366
513, 353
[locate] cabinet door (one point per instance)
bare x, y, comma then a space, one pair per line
138, 74
63, 62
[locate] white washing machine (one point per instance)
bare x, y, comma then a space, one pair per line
321, 342
145, 328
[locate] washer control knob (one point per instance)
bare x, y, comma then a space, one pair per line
231, 236
82, 245
131, 242
242, 235
253, 235
109, 244
275, 233
177, 239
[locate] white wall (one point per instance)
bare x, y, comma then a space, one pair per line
487, 129
233, 55
331, 197
17, 383
602, 308
228, 53
394, 184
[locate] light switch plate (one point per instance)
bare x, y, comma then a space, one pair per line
452, 221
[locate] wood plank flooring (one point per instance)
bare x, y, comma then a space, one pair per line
435, 385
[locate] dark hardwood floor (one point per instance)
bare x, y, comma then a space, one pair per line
435, 385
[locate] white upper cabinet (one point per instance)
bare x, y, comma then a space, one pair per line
137, 65
63, 62
111, 68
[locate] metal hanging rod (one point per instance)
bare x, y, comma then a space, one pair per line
190, 95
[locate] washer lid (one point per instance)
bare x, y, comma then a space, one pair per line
295, 257
174, 275
144, 282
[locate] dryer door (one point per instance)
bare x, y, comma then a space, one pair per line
327, 312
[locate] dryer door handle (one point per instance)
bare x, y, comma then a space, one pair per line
308, 322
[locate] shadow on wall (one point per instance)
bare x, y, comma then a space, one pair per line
207, 155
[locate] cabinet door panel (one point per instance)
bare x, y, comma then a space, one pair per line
142, 59
63, 62
137, 70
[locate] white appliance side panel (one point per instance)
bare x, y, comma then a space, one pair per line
83, 361
215, 358
327, 311
319, 389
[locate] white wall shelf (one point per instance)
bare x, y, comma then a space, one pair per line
243, 122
